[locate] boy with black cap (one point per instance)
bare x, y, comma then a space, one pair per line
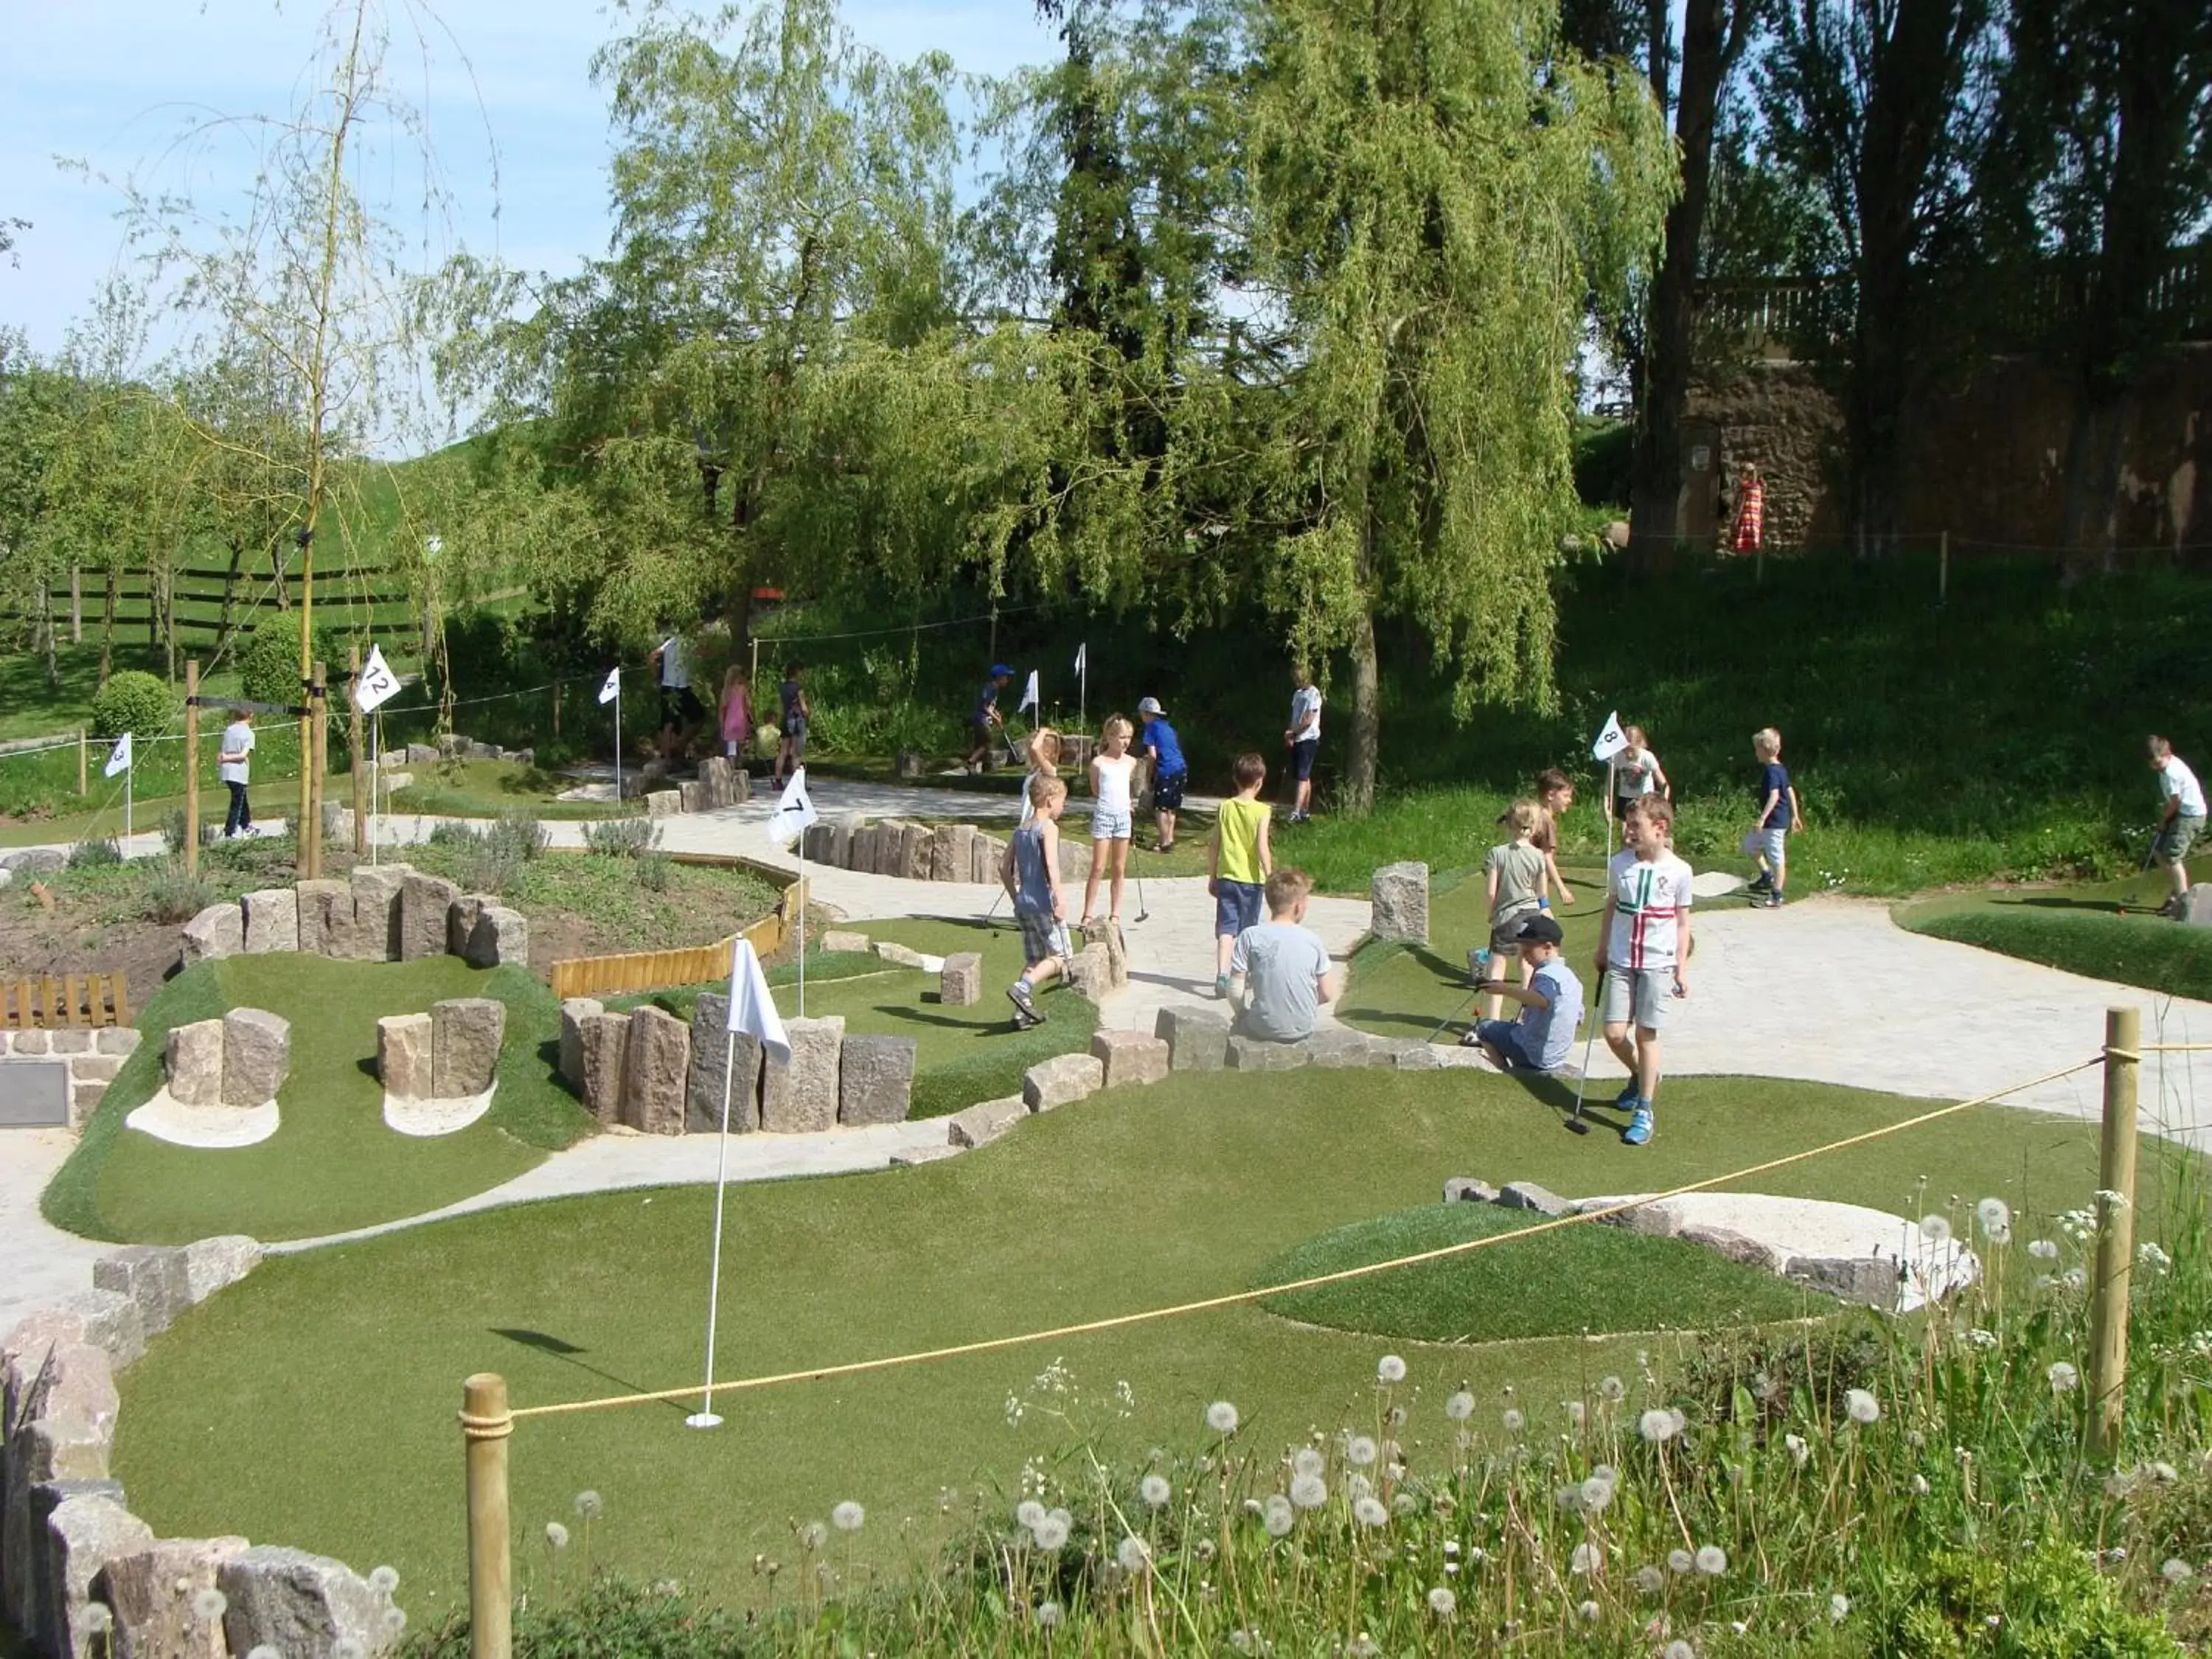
1551, 1007
986, 719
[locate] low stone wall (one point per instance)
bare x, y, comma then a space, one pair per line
920, 852
452, 1053
68, 1541
241, 1059
380, 913
90, 1056
453, 746
719, 784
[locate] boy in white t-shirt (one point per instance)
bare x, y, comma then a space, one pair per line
2181, 820
234, 766
1301, 737
1643, 952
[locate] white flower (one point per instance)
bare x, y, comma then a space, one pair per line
1861, 1407
1360, 1451
1154, 1489
1515, 1422
1678, 1649
1221, 1417
1800, 1453
1133, 1553
1611, 1389
1981, 1338
1711, 1560
2043, 1250
209, 1605
1920, 1486
1935, 1229
1994, 1216
1277, 1515
557, 1535
1680, 1562
2177, 1571
1308, 1461
2064, 1379
95, 1618
1587, 1559
2152, 1258
1460, 1406
590, 1505
1028, 1513
395, 1622
1389, 1369
1047, 1615
1657, 1426
1309, 1491
1370, 1512
1051, 1533
1839, 1608
848, 1516
384, 1580
1596, 1494
1443, 1602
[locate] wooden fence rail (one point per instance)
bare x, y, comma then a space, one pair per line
651, 970
43, 1002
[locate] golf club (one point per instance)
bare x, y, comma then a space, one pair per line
1575, 1124
1143, 911
1458, 1009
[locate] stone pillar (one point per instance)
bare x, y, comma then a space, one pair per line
1401, 896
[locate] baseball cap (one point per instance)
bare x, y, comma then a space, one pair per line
1150, 706
1540, 930
999, 668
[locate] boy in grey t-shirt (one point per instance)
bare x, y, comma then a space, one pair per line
1279, 972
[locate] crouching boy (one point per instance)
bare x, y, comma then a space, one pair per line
1542, 1038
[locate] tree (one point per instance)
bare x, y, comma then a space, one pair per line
1437, 188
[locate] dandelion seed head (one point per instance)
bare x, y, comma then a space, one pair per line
1935, 1229
1577, 1413
848, 1516
1800, 1453
1596, 1495
1862, 1405
1460, 1406
1028, 1513
590, 1505
2177, 1571
1678, 1649
1221, 1417
1612, 1389
209, 1605
1680, 1562
1515, 1422
1309, 1491
813, 1535
2064, 1379
1155, 1490
1391, 1369
395, 1622
1839, 1608
557, 1535
1370, 1512
1588, 1612
1308, 1461
1657, 1426
1133, 1554
384, 1580
1443, 1602
1711, 1561
1993, 1216
2043, 1250
95, 1618
1051, 1533
1277, 1515
1919, 1485
1649, 1579
1587, 1559
1404, 1504
1364, 1646
1360, 1451
1047, 1615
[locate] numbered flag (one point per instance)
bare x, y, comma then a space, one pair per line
377, 686
1082, 657
1029, 694
612, 689
753, 1010
120, 759
1610, 740
794, 813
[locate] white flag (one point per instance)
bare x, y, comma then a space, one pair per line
753, 1010
612, 689
377, 686
1610, 740
1029, 695
794, 813
119, 759
1082, 654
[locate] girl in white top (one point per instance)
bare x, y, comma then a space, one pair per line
1113, 813
1637, 773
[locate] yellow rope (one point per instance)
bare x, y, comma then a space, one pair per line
1235, 1298
2165, 1048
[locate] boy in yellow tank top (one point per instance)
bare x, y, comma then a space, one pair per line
1242, 861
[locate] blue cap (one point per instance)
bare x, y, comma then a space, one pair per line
999, 668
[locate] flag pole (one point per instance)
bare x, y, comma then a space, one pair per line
130, 772
704, 1417
799, 846
375, 776
618, 794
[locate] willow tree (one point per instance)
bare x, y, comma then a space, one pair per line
1438, 186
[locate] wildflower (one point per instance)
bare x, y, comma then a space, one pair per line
1800, 1453
1443, 1602
1587, 1559
848, 1516
1711, 1560
2043, 1250
1680, 1562
557, 1535
1515, 1422
1657, 1426
1994, 1216
1221, 1417
1861, 1407
1309, 1491
1678, 1649
1596, 1494
209, 1605
2152, 1258
1611, 1389
1359, 1450
1839, 1608
1460, 1406
1649, 1579
1370, 1512
1983, 1338
1133, 1553
395, 1622
1047, 1615
1307, 1460
1577, 1413
2075, 1278
1404, 1504
1920, 1486
1028, 1513
1935, 1229
2064, 1379
1154, 1489
1051, 1533
1389, 1369
95, 1618
589, 1506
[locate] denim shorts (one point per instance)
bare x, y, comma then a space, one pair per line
1302, 758
1505, 1036
1111, 826
1236, 907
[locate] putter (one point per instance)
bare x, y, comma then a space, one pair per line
1575, 1124
1143, 911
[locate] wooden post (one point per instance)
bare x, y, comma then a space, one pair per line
2116, 1235
317, 732
83, 756
191, 766
1943, 571
355, 720
486, 1426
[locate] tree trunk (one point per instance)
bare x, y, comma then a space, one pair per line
107, 629
47, 631
77, 605
229, 595
1357, 797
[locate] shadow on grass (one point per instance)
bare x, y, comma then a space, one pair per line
913, 1016
560, 1348
2102, 906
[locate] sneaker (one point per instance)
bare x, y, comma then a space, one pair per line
1025, 1008
1771, 901
1762, 883
1628, 1097
1469, 1039
1221, 987
1639, 1125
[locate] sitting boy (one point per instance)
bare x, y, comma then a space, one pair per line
1280, 973
1551, 1007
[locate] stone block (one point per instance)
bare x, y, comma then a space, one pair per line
1400, 893
499, 936
1248, 1052
959, 847
257, 1056
741, 786
1090, 973
404, 1056
1340, 1048
1062, 1081
272, 920
69, 1384
32, 1043
914, 1156
111, 1323
301, 1604
1421, 1057
83, 1534
904, 956
861, 850
326, 917
461, 918
1106, 931
875, 1079
1074, 860
574, 1011
34, 860
376, 932
1197, 1038
817, 843
42, 1455
1870, 1281
72, 1039
655, 1068
839, 940
192, 1059
121, 1041
692, 794
664, 804
217, 1263
1466, 1189
605, 1043
150, 1592
1751, 1252
717, 1053
984, 859
465, 1033
802, 1097
1528, 1195
960, 982
423, 754
424, 904
1130, 1057
152, 1275
84, 1100
714, 777
217, 932
985, 1121
914, 845
95, 1068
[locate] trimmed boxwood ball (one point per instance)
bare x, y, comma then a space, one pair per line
269, 665
134, 702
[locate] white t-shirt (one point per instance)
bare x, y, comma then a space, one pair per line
1306, 700
2176, 781
1114, 773
237, 739
674, 674
1635, 774
1649, 899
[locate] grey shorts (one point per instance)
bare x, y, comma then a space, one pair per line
1638, 996
2175, 840
1111, 826
1505, 933
1043, 936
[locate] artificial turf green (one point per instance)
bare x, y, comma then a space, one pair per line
314, 1403
1566, 1282
333, 1164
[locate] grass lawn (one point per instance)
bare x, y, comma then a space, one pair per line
486, 789
1136, 1199
2106, 930
333, 1164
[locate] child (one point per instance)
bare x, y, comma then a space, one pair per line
1778, 815
1634, 773
1163, 750
1044, 762
681, 710
797, 713
986, 722
234, 766
1555, 793
1519, 889
1303, 740
737, 713
1242, 861
2181, 820
1286, 969
1550, 999
1030, 874
1643, 940
1113, 814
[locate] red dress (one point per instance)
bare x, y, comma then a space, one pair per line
1750, 517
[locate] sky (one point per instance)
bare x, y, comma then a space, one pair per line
115, 85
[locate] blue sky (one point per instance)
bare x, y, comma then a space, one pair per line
113, 84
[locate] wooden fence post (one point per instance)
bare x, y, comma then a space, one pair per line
2116, 1235
317, 732
486, 1427
83, 754
356, 720
191, 766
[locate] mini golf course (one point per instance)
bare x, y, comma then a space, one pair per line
2104, 930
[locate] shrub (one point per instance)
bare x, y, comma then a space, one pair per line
449, 834
621, 838
174, 895
269, 662
133, 701
655, 871
176, 830
94, 855
2050, 1601
518, 836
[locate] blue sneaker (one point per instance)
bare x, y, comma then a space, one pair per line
1639, 1124
1627, 1098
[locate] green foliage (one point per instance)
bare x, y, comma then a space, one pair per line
176, 831
136, 702
621, 838
95, 855
173, 896
2049, 1602
2079, 930
656, 872
518, 836
1604, 452
269, 663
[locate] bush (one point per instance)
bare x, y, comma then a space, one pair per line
621, 838
655, 871
134, 702
518, 837
174, 895
176, 830
2050, 1601
94, 855
269, 663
